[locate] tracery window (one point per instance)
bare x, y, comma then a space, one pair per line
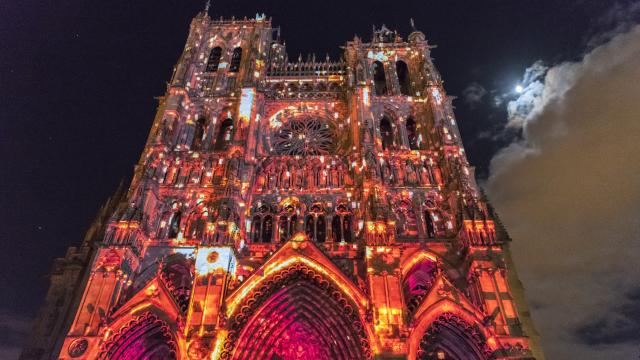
403, 77
315, 224
214, 59
174, 224
262, 226
379, 78
236, 58
341, 224
287, 223
407, 224
197, 224
429, 219
412, 134
225, 134
304, 136
429, 225
386, 132
196, 144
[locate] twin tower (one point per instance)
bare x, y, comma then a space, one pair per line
306, 209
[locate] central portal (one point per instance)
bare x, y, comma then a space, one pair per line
301, 316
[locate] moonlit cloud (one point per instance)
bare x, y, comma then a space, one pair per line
473, 94
529, 97
569, 193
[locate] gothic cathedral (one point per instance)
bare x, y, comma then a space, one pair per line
305, 209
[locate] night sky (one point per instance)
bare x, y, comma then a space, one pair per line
77, 87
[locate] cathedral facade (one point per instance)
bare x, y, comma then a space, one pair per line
305, 209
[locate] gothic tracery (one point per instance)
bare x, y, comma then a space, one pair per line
297, 209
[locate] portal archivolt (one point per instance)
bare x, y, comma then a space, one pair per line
297, 314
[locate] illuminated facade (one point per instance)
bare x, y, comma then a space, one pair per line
312, 209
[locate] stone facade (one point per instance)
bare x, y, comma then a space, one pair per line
308, 209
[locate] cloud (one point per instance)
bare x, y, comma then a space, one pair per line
528, 102
473, 94
569, 193
621, 326
620, 18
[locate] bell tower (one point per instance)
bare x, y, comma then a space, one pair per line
299, 209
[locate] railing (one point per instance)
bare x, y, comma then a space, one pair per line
309, 68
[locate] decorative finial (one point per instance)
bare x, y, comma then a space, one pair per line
413, 24
207, 6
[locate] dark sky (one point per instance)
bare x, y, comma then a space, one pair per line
78, 81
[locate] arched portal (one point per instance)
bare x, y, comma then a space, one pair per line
145, 338
451, 338
297, 314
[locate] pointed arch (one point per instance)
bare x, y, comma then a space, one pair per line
386, 133
298, 252
214, 59
315, 224
412, 133
407, 221
174, 224
267, 229
307, 312
225, 134
417, 283
449, 337
287, 222
145, 337
471, 334
402, 70
236, 58
379, 78
415, 258
178, 275
198, 134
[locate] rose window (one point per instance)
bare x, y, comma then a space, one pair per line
306, 136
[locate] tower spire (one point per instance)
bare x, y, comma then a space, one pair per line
207, 6
413, 24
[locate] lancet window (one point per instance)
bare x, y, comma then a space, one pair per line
430, 216
214, 59
225, 134
287, 223
197, 224
236, 58
315, 224
412, 134
174, 224
262, 226
407, 224
403, 77
379, 79
341, 224
386, 133
198, 133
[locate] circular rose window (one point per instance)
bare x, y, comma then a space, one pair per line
304, 136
